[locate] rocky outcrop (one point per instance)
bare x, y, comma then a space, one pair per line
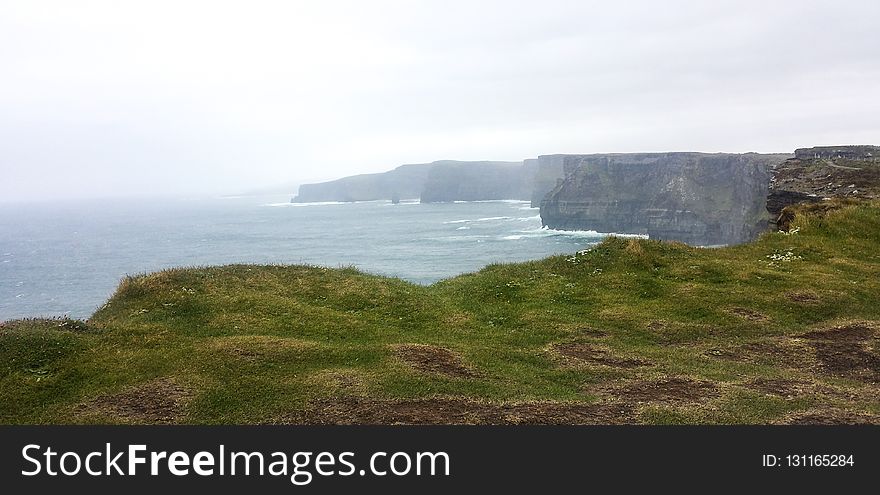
474, 181
697, 198
857, 152
815, 174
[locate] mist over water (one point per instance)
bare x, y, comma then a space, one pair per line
67, 258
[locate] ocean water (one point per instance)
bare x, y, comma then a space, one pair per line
66, 258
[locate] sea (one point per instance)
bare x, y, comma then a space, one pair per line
66, 258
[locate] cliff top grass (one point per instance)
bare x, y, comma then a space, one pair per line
785, 329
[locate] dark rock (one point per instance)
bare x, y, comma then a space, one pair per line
777, 200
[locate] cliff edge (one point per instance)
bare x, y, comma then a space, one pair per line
696, 198
815, 174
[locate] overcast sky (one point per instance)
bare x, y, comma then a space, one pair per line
184, 97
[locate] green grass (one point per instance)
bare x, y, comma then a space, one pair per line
253, 344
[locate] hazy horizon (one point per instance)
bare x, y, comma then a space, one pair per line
165, 98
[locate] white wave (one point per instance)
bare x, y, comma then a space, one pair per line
484, 219
463, 228
512, 237
528, 219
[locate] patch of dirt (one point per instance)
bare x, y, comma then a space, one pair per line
656, 325
158, 402
431, 359
351, 410
597, 355
855, 332
666, 390
832, 417
783, 353
748, 314
848, 359
843, 351
802, 297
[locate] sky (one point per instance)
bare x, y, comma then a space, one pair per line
132, 98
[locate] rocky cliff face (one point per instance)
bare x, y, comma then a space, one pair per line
697, 198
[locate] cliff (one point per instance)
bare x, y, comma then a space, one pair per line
443, 181
474, 181
815, 174
697, 198
405, 181
548, 171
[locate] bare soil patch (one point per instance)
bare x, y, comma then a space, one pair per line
843, 351
782, 353
666, 390
594, 354
159, 401
456, 411
432, 359
856, 332
848, 359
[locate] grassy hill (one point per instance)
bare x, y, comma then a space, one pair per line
784, 329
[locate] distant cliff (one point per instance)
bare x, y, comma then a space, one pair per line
443, 181
474, 181
697, 198
405, 181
